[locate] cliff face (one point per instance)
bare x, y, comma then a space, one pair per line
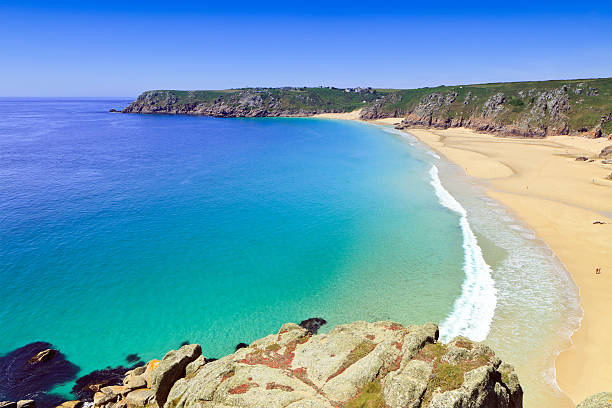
381, 364
528, 109
527, 113
252, 102
243, 104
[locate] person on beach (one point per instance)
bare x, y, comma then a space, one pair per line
597, 271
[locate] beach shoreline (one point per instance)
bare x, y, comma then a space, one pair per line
560, 199
545, 186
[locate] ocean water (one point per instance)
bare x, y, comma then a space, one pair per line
129, 234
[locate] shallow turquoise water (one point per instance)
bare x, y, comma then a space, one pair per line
131, 234
126, 234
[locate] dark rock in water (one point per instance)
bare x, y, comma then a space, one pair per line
185, 343
43, 356
313, 324
22, 380
89, 384
114, 110
132, 358
241, 345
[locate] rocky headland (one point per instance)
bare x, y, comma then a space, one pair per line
382, 364
365, 365
524, 109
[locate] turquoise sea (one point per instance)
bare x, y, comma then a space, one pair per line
129, 234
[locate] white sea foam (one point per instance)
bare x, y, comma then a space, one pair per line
411, 139
431, 153
474, 309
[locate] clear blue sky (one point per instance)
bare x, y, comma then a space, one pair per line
120, 48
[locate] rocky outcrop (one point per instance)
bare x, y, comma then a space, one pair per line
18, 404
171, 368
545, 113
493, 106
382, 364
601, 400
88, 385
606, 152
524, 109
71, 404
375, 110
43, 356
239, 103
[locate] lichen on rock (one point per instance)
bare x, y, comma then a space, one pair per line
381, 364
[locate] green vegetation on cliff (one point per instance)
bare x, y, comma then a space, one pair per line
255, 101
580, 106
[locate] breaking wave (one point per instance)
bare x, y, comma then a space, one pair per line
474, 309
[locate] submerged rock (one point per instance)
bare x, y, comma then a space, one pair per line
32, 371
43, 356
132, 358
313, 324
88, 385
240, 345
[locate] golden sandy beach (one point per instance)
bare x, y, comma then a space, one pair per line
559, 198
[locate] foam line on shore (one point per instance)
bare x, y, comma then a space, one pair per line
474, 309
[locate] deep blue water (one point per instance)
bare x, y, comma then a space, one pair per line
131, 233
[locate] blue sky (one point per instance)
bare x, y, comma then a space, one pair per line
80, 48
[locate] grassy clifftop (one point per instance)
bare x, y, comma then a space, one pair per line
570, 106
582, 106
255, 101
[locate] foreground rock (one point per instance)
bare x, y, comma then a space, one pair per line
382, 364
18, 404
71, 404
86, 386
171, 368
601, 400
